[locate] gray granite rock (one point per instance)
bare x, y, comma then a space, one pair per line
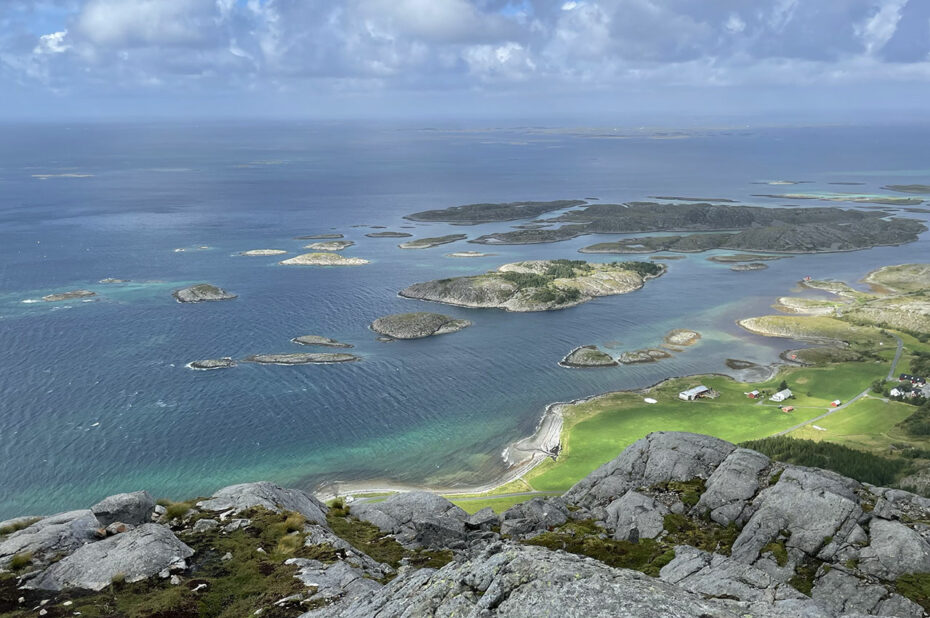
819, 508
130, 508
321, 535
485, 519
202, 292
331, 582
417, 519
659, 457
845, 594
205, 525
266, 495
51, 536
135, 555
894, 550
530, 582
538, 515
731, 487
635, 516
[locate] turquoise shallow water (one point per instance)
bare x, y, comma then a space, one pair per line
95, 396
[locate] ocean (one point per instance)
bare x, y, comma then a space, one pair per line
95, 397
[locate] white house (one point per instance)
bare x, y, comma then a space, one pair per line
896, 393
693, 393
782, 395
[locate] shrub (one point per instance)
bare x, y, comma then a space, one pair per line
526, 280
20, 561
19, 525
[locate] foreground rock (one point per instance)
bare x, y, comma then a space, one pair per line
301, 359
417, 519
417, 325
588, 356
237, 498
50, 537
320, 340
210, 364
537, 285
134, 508
133, 556
72, 295
202, 292
519, 581
324, 259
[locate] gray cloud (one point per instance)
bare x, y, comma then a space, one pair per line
177, 48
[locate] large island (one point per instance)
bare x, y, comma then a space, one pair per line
537, 285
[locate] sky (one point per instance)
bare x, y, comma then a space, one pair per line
463, 58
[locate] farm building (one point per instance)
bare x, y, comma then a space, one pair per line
787, 409
835, 403
694, 393
896, 392
782, 395
752, 394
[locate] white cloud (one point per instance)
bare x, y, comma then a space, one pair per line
880, 27
54, 43
735, 24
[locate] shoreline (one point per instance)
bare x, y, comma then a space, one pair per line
543, 443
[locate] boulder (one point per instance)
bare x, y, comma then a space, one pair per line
527, 519
267, 495
321, 535
634, 516
130, 508
135, 555
893, 550
659, 457
205, 525
417, 519
843, 593
51, 536
513, 581
731, 487
485, 519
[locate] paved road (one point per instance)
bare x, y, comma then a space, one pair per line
894, 364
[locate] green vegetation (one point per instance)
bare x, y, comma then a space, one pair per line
916, 587
483, 213
918, 423
20, 561
778, 550
860, 465
498, 504
704, 535
803, 579
17, 526
526, 280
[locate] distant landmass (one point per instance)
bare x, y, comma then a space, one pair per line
487, 213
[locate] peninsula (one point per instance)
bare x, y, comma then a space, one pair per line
587, 356
537, 285
426, 243
750, 228
489, 213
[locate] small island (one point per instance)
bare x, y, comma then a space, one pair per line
587, 356
736, 258
323, 259
489, 213
315, 358
72, 295
417, 325
887, 200
426, 243
330, 245
260, 252
209, 365
202, 292
925, 189
537, 285
749, 266
469, 254
320, 237
649, 355
682, 337
388, 235
321, 341
112, 280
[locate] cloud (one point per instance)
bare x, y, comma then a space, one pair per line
189, 48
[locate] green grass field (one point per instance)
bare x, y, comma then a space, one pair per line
868, 424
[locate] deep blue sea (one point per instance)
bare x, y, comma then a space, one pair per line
95, 397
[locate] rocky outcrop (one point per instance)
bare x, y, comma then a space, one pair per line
417, 519
132, 556
330, 245
212, 363
388, 235
262, 252
519, 581
323, 259
636, 516
587, 356
428, 243
320, 340
134, 508
649, 355
202, 292
237, 498
50, 537
528, 519
417, 325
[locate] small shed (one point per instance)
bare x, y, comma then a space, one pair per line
694, 393
782, 395
787, 409
752, 394
835, 403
